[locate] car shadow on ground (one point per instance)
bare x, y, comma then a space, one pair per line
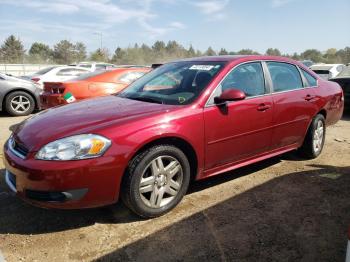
18, 217
302, 216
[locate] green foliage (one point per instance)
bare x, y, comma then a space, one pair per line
40, 53
100, 55
65, 52
273, 52
12, 50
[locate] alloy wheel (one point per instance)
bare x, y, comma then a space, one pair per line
318, 136
161, 181
20, 104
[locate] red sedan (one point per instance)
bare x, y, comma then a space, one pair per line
186, 120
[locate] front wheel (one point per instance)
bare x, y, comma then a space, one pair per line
315, 138
156, 181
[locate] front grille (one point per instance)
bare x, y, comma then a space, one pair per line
20, 148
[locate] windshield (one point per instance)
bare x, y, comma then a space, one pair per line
178, 83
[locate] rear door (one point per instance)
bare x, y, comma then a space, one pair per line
241, 129
293, 104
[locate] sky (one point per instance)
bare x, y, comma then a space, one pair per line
289, 25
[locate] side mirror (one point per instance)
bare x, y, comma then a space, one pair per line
230, 94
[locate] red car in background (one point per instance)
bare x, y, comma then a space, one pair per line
186, 120
98, 83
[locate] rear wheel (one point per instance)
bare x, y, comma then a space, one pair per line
156, 181
19, 103
315, 138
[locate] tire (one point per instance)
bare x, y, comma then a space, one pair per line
161, 189
19, 103
312, 147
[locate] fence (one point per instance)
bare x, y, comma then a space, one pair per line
21, 69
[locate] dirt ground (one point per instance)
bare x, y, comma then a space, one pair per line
282, 209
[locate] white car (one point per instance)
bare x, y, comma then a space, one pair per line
57, 74
93, 66
327, 71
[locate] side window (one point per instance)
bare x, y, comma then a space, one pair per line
312, 81
284, 76
247, 77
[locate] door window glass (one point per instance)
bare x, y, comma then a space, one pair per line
284, 76
247, 77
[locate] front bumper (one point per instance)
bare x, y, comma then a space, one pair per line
63, 184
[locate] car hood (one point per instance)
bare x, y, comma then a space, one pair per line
83, 117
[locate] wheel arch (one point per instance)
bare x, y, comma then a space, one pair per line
178, 142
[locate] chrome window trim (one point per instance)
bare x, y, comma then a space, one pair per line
10, 146
268, 86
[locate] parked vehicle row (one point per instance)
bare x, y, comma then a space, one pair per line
56, 73
98, 83
186, 120
343, 79
18, 96
327, 71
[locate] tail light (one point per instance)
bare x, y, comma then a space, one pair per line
54, 88
36, 79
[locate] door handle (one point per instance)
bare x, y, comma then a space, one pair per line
309, 97
263, 107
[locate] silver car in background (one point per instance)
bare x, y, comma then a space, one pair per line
18, 97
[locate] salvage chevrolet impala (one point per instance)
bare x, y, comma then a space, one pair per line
186, 120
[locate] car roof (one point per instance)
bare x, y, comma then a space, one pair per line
231, 58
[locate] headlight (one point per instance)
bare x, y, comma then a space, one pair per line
74, 148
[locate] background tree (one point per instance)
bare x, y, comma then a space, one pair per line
79, 52
12, 50
210, 52
273, 52
40, 53
313, 55
223, 51
100, 55
247, 52
64, 52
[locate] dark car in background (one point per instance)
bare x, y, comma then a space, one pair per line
18, 97
343, 79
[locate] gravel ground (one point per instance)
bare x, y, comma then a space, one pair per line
282, 209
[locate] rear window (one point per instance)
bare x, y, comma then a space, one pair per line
131, 77
88, 75
45, 70
284, 76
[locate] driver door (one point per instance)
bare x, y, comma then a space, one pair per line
241, 129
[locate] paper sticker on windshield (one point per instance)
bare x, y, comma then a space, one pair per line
202, 67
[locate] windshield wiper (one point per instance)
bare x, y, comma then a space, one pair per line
144, 99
